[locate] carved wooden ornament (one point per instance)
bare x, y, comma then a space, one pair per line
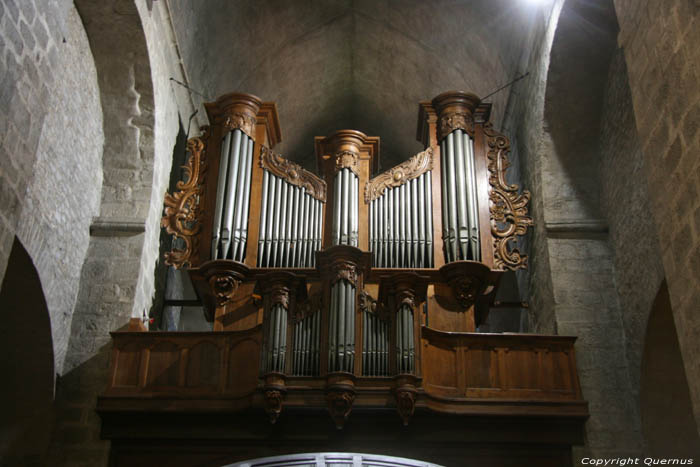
346, 160
183, 208
307, 308
241, 121
508, 208
451, 121
340, 405
292, 173
405, 404
224, 287
369, 305
397, 176
273, 404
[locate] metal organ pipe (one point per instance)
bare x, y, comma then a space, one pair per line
220, 188
460, 208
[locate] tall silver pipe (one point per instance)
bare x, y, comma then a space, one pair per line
429, 218
305, 230
293, 238
283, 339
220, 189
263, 220
402, 226
300, 226
397, 229
421, 221
451, 195
312, 231
290, 223
276, 222
415, 236
319, 228
246, 202
332, 331
335, 233
282, 252
345, 198
317, 342
230, 198
349, 327
240, 196
445, 211
341, 325
269, 228
462, 186
473, 201
372, 246
355, 215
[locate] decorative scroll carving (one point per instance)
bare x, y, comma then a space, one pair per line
451, 121
397, 176
340, 405
242, 121
224, 287
292, 173
346, 160
183, 208
405, 404
508, 208
273, 404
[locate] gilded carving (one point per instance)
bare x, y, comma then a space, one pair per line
242, 121
183, 208
273, 404
405, 405
346, 160
224, 287
397, 176
340, 405
292, 173
450, 121
508, 208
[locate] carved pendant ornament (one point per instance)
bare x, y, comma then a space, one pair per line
405, 404
340, 405
451, 121
346, 160
368, 304
183, 208
224, 288
241, 121
397, 176
273, 404
292, 173
508, 208
344, 270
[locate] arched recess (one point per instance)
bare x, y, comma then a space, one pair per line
109, 278
667, 411
26, 363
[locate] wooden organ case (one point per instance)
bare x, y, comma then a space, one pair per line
350, 292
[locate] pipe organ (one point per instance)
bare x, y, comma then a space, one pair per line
358, 283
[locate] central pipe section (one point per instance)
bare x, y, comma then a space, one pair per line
345, 216
460, 210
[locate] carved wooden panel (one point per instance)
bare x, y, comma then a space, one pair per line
499, 366
127, 365
203, 362
163, 364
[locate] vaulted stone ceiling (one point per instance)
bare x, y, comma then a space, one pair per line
360, 64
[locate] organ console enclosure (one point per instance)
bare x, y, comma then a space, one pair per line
345, 305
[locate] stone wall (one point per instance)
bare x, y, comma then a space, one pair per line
660, 42
636, 249
135, 57
51, 121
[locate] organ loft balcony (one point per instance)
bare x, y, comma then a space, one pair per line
345, 305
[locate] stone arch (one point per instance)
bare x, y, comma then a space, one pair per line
113, 267
27, 363
666, 408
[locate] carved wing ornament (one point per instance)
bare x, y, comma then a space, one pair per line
307, 308
397, 176
292, 173
508, 208
368, 304
183, 208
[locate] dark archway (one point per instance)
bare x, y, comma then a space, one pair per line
26, 363
667, 412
